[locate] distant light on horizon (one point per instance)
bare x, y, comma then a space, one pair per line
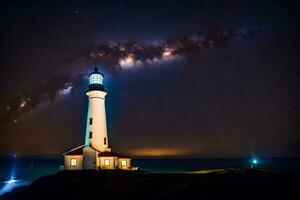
159, 152
254, 161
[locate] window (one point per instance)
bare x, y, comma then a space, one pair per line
106, 162
91, 134
96, 79
91, 121
105, 140
124, 163
73, 162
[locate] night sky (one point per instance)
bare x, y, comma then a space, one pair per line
185, 78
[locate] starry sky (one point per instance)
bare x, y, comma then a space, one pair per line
186, 78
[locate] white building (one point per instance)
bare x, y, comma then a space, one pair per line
95, 153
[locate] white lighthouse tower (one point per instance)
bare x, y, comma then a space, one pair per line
95, 153
96, 130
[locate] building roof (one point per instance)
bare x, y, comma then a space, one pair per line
110, 154
79, 151
96, 72
75, 151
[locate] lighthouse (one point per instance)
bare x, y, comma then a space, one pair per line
96, 130
95, 153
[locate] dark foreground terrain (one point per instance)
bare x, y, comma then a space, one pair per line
218, 184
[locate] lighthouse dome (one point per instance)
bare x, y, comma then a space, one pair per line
96, 77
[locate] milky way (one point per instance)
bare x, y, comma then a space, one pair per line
115, 57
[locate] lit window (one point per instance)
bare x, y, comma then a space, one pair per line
91, 134
106, 162
73, 161
96, 79
124, 163
91, 121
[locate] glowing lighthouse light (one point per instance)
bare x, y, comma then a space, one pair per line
96, 79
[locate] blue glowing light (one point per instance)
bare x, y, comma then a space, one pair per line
13, 170
12, 180
254, 161
96, 79
9, 185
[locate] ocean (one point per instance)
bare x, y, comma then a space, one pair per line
25, 170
